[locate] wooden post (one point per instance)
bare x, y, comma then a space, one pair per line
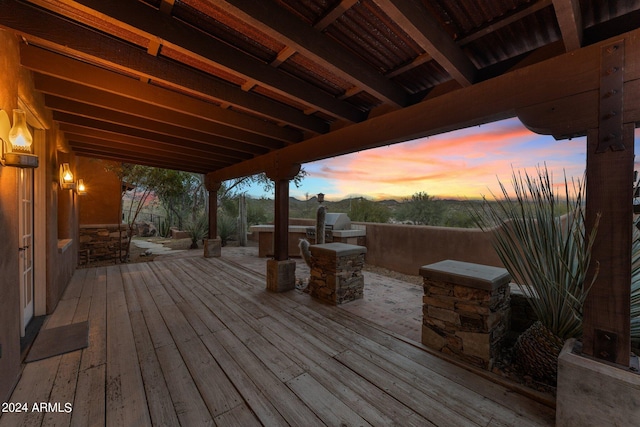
606, 322
281, 270
213, 187
281, 175
281, 221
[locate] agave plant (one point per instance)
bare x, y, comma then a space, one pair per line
197, 229
541, 240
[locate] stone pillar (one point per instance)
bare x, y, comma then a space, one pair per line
336, 272
466, 310
213, 244
281, 271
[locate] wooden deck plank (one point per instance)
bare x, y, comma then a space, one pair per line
190, 408
158, 331
201, 319
34, 387
220, 395
64, 389
161, 407
192, 307
369, 401
89, 404
126, 400
404, 392
294, 411
330, 409
96, 353
240, 416
253, 395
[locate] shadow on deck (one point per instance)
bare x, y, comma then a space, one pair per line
192, 341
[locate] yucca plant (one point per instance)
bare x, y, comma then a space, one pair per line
541, 239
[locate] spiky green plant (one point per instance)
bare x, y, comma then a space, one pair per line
547, 254
197, 229
227, 227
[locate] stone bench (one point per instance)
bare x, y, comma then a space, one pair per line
465, 310
336, 272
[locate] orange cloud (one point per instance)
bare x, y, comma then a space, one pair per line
464, 163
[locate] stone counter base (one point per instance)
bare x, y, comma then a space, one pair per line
102, 241
465, 310
336, 272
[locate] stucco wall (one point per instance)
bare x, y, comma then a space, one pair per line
9, 288
405, 248
56, 267
101, 204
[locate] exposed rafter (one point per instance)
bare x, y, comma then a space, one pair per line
570, 21
414, 19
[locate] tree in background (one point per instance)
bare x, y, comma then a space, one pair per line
181, 194
421, 209
367, 211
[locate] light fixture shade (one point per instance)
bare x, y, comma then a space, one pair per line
66, 177
16, 143
19, 135
80, 187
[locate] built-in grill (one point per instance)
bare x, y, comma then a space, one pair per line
333, 222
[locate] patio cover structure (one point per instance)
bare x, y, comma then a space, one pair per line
233, 88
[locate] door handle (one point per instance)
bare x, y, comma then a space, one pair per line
23, 248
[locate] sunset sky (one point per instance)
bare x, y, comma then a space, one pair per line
460, 164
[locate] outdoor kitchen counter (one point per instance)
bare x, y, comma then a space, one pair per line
265, 239
296, 232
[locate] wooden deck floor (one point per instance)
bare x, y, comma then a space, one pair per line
197, 342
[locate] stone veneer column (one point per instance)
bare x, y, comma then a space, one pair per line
336, 272
465, 310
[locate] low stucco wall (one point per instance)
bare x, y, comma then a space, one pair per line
406, 248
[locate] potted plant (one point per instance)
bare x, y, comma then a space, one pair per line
541, 239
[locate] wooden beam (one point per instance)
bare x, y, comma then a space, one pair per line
485, 102
79, 146
569, 18
142, 161
77, 72
114, 142
508, 20
309, 42
332, 15
123, 119
413, 18
148, 135
76, 41
179, 36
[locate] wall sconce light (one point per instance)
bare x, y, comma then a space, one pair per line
16, 141
80, 188
66, 177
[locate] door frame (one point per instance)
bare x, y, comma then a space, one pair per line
39, 209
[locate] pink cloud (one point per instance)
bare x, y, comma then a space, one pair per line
458, 164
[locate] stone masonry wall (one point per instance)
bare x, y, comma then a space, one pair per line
336, 272
103, 241
466, 310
